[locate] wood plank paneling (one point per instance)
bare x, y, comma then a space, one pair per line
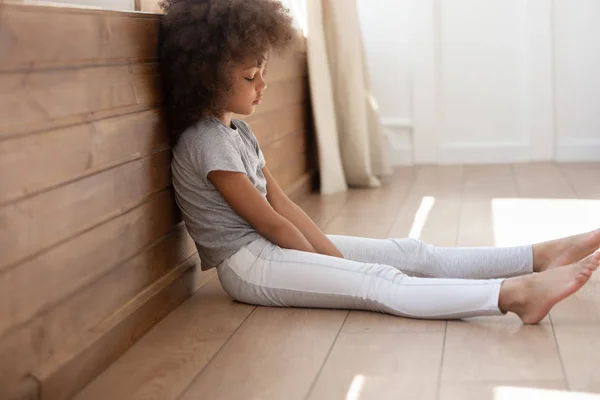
277, 124
281, 95
26, 389
67, 37
83, 282
41, 221
55, 157
279, 152
302, 187
92, 250
291, 171
42, 341
164, 362
45, 99
53, 275
290, 64
75, 366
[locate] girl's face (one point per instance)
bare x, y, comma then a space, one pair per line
248, 88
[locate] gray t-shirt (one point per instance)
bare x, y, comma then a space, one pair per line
218, 231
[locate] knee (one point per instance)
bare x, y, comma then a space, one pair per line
415, 246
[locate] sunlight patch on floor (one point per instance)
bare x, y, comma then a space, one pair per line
520, 393
421, 217
355, 388
525, 221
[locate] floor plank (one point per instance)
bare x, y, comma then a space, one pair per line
437, 193
162, 364
371, 212
583, 178
500, 349
333, 354
482, 185
576, 320
543, 191
381, 366
346, 368
276, 354
580, 351
371, 322
502, 390
581, 308
322, 209
542, 180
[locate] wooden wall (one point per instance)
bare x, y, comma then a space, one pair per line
92, 248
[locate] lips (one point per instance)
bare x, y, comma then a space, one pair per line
257, 101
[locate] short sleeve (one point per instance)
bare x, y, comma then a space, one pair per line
216, 152
261, 158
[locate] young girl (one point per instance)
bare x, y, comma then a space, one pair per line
213, 56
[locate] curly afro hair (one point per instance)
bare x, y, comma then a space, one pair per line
200, 42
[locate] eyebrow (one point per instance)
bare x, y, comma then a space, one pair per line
254, 66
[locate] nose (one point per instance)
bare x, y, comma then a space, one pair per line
262, 85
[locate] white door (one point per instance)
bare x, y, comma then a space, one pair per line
482, 75
577, 79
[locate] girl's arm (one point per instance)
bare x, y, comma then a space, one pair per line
290, 210
242, 196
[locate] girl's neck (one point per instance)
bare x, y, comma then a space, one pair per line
225, 118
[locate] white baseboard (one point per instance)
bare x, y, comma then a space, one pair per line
484, 153
582, 150
399, 156
398, 133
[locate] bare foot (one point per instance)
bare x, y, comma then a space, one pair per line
565, 251
532, 297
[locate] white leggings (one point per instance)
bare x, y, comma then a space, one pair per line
403, 277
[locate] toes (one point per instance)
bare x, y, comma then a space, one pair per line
582, 278
589, 261
595, 258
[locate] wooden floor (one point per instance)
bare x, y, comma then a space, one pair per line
214, 348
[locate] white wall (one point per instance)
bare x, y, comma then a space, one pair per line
118, 5
386, 42
577, 71
474, 81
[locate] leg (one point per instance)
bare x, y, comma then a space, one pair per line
556, 253
267, 275
417, 258
264, 274
532, 296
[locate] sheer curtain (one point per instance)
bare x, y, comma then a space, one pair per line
351, 145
